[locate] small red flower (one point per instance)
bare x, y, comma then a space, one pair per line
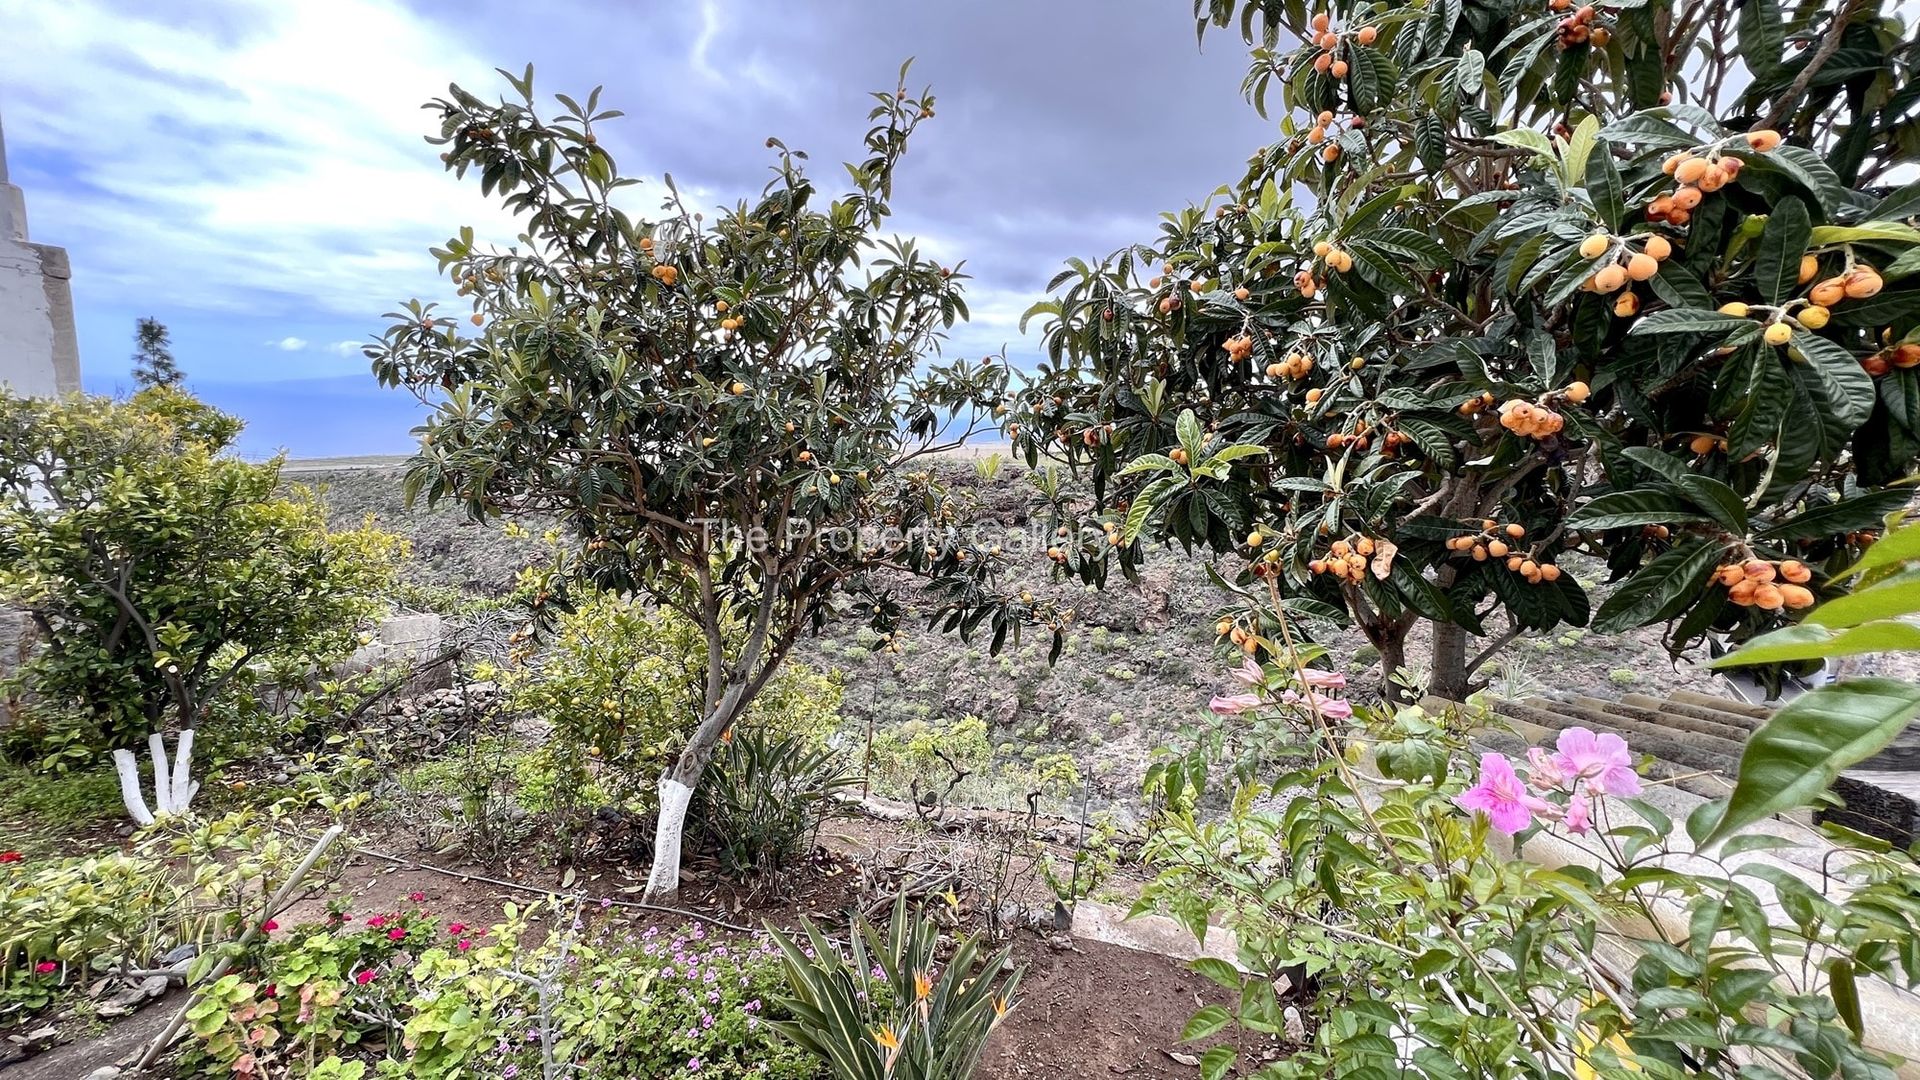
364, 977
416, 897
46, 967
463, 945
456, 927
270, 926
10, 856
377, 921
272, 990
396, 934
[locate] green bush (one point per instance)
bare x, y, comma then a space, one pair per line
63, 921
887, 1009
402, 993
621, 682
764, 801
166, 577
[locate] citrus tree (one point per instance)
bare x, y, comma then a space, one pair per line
1518, 280
162, 573
724, 409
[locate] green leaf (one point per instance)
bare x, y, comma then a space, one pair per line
1797, 755
1811, 641
1866, 511
1776, 269
1205, 1022
1847, 387
1884, 232
1217, 1062
1660, 590
1573, 168
1900, 545
1846, 996
1887, 599
1604, 187
1218, 971
1688, 321
1624, 508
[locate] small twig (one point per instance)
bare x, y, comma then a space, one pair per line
1829, 45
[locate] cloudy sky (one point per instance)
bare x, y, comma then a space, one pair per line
251, 172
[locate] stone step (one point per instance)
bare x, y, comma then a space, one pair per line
1723, 704
1667, 719
1730, 725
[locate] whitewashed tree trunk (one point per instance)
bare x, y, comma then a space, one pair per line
674, 800
173, 786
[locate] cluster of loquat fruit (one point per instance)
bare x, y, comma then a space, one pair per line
1230, 629
1533, 421
1239, 347
1766, 585
1698, 174
1336, 259
1346, 560
1492, 542
1858, 283
1295, 366
1578, 28
1902, 356
1627, 265
1322, 126
665, 274
1331, 42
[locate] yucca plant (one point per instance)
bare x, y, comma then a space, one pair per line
882, 1009
764, 802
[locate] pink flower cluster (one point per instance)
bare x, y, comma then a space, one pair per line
1585, 764
1254, 676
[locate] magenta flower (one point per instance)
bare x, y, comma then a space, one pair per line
1578, 821
1329, 680
377, 921
269, 926
396, 934
1501, 796
1543, 770
10, 856
1331, 708
364, 977
416, 897
46, 967
1234, 705
1603, 761
455, 927
463, 945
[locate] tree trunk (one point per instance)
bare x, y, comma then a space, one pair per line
1448, 678
1393, 657
676, 791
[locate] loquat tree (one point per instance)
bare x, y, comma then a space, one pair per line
725, 410
1518, 280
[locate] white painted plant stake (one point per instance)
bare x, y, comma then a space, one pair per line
173, 788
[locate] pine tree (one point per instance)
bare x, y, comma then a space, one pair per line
153, 355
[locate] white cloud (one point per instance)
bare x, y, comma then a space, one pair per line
267, 159
347, 348
290, 344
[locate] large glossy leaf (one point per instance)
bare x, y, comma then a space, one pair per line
1848, 515
1660, 590
1846, 386
1800, 752
1888, 599
1776, 270
1809, 641
1689, 321
1624, 508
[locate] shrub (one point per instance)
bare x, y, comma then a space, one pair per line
163, 574
1417, 941
886, 1010
65, 921
619, 682
922, 756
762, 808
443, 1000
